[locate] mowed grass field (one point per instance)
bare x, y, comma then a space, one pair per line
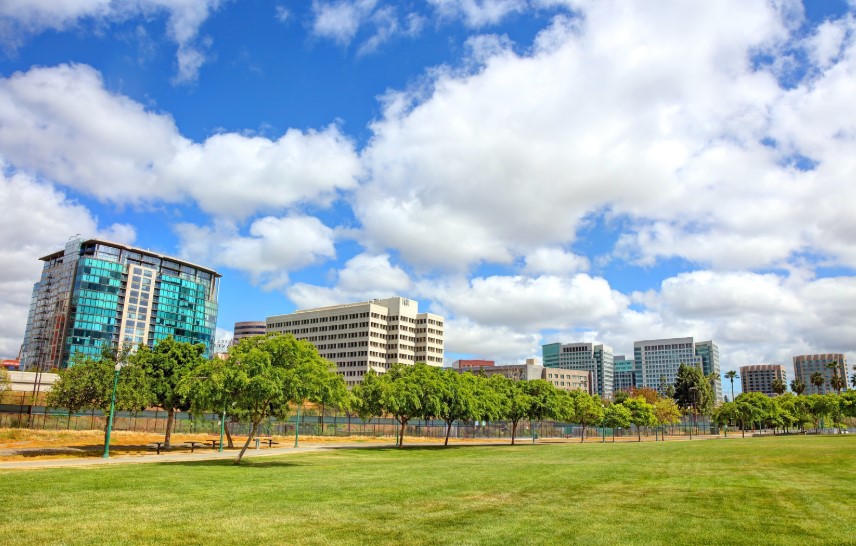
774, 490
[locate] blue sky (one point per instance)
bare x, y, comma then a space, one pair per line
534, 170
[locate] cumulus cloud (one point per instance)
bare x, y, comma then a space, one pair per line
63, 124
478, 13
665, 118
273, 246
342, 20
528, 303
364, 277
553, 261
37, 220
20, 19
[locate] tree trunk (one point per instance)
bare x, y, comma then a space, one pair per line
170, 420
322, 419
583, 433
639, 431
250, 437
448, 431
401, 435
229, 441
513, 431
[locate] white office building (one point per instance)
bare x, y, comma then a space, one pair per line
370, 335
595, 358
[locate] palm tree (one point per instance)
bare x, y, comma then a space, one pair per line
779, 386
732, 375
817, 380
835, 381
853, 380
798, 386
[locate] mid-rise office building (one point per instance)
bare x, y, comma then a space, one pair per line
760, 378
656, 361
248, 329
566, 380
806, 365
624, 373
370, 335
95, 293
597, 359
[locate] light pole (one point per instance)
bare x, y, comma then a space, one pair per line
694, 390
112, 410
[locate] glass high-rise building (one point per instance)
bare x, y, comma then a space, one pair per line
595, 358
656, 361
95, 293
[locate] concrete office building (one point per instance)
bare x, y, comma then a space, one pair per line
597, 359
806, 365
95, 293
624, 374
370, 335
248, 329
567, 380
760, 377
656, 361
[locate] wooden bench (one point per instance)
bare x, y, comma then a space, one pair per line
159, 446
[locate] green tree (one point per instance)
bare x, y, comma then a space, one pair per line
818, 381
268, 373
779, 386
210, 387
332, 392
399, 392
726, 414
666, 412
458, 399
87, 383
754, 407
693, 392
731, 375
798, 386
165, 365
616, 416
517, 401
820, 407
853, 380
580, 407
641, 413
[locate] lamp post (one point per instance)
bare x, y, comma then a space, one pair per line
112, 410
694, 389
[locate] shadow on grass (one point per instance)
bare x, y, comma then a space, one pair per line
223, 463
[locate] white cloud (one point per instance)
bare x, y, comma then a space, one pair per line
22, 18
63, 124
478, 13
527, 303
659, 117
500, 343
339, 21
364, 277
555, 261
273, 247
36, 221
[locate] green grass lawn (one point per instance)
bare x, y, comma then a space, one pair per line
785, 490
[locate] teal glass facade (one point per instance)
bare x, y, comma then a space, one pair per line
96, 293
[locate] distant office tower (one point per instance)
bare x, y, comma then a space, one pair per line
248, 329
624, 373
95, 293
589, 357
566, 380
806, 365
760, 377
656, 361
370, 335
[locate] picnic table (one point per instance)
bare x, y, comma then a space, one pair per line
213, 442
159, 446
193, 444
269, 441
